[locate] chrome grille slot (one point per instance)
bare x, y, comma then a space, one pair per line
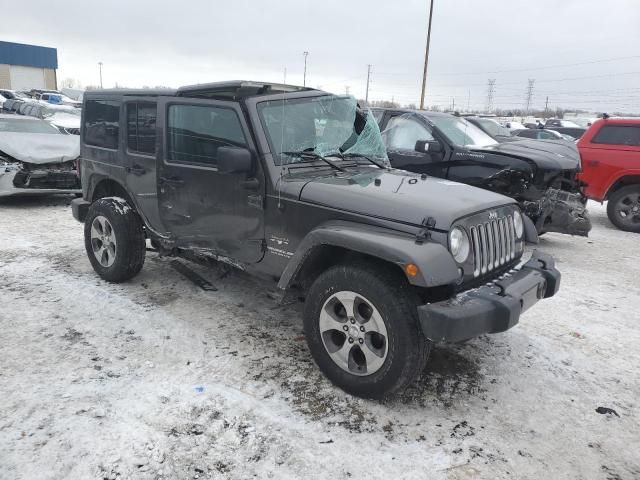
493, 244
512, 238
475, 246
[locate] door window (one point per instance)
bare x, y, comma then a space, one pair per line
618, 135
195, 132
141, 127
403, 132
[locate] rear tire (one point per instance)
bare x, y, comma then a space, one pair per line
114, 239
623, 208
388, 351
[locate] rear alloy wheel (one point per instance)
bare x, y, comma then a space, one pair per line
114, 239
362, 328
103, 241
623, 208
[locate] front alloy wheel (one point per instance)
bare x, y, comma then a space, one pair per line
361, 325
353, 333
623, 208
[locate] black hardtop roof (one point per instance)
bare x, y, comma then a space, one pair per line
231, 90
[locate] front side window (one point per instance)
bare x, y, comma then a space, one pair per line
101, 123
403, 131
325, 125
618, 135
195, 132
141, 127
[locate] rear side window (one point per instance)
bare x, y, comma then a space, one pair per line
141, 127
194, 133
618, 135
101, 123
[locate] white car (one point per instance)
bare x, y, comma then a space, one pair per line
36, 158
512, 126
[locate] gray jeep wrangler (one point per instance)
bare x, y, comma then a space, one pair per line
294, 184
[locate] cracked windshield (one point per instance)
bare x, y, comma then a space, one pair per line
328, 126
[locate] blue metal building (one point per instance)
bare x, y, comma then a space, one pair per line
23, 67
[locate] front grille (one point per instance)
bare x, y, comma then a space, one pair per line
59, 180
493, 244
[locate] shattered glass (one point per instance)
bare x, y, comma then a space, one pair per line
324, 125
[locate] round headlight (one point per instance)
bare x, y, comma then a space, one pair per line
459, 244
518, 223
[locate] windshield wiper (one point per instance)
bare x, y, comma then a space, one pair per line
359, 155
314, 156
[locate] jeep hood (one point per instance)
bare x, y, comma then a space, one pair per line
40, 148
400, 196
547, 155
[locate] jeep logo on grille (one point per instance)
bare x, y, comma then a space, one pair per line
493, 215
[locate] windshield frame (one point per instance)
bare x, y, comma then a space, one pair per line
277, 159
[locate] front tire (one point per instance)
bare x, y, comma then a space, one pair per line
114, 239
623, 208
362, 328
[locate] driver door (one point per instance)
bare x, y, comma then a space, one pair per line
199, 205
400, 135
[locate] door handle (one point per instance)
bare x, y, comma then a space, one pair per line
251, 184
173, 181
136, 170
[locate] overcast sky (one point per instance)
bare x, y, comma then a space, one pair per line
581, 53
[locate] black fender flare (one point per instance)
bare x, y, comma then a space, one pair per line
435, 264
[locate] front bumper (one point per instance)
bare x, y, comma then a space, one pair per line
492, 308
79, 209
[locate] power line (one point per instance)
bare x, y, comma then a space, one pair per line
543, 67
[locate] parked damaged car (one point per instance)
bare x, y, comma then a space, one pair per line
293, 185
36, 158
541, 176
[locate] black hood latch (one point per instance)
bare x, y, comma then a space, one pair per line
425, 233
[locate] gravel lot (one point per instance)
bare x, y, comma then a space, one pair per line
156, 378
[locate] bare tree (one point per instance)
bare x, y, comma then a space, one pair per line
70, 83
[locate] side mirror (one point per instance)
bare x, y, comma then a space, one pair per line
234, 160
428, 146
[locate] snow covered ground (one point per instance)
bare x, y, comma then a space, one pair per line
156, 378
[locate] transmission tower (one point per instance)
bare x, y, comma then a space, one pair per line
529, 94
491, 86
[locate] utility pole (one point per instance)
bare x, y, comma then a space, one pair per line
453, 104
491, 84
529, 94
285, 75
426, 58
346, 89
100, 67
469, 101
304, 78
546, 107
366, 97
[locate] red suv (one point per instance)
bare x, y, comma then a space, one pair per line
610, 153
